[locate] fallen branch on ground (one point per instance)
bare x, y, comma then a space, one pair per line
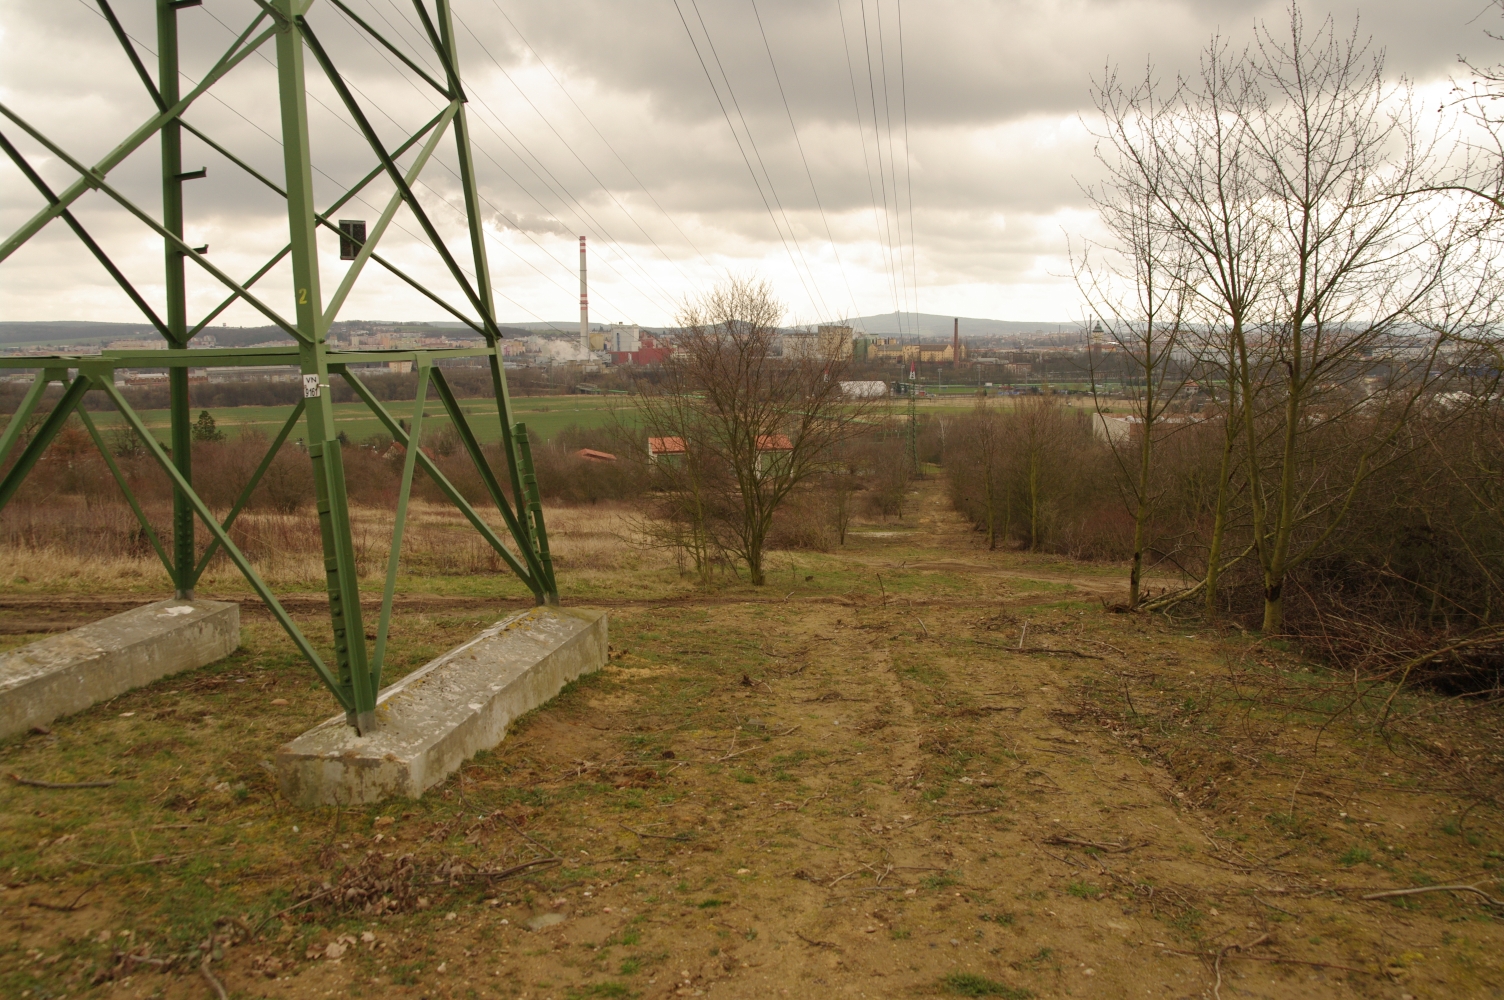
814, 944
514, 870
681, 837
1110, 848
1389, 893
214, 983
69, 908
34, 783
1272, 959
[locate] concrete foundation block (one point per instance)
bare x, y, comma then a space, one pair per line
66, 673
436, 718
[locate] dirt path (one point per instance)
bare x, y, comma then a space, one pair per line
844, 796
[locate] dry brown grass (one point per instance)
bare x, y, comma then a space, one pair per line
70, 543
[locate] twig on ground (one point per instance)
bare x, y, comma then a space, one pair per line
954, 815
923, 626
812, 943
1038, 650
1273, 959
212, 980
542, 847
1112, 848
843, 878
34, 783
681, 837
1271, 906
514, 870
158, 860
813, 798
1217, 965
1047, 651
69, 908
1388, 893
284, 912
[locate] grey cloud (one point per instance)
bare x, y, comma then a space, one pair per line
994, 154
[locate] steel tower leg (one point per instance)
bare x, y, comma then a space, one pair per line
519, 460
183, 554
353, 667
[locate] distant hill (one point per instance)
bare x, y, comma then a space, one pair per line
565, 327
70, 332
60, 332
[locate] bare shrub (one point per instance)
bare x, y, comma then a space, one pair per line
748, 427
287, 486
1030, 472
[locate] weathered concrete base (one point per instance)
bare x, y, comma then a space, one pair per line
437, 717
66, 673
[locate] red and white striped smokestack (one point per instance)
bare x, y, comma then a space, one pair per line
584, 304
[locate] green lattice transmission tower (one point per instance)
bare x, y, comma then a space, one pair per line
282, 25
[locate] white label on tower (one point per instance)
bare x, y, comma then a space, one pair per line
310, 387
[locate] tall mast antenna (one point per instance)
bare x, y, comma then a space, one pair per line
584, 304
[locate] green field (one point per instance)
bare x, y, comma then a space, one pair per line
545, 416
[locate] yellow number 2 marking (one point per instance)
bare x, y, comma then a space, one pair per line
302, 296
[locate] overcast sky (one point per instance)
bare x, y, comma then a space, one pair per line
937, 166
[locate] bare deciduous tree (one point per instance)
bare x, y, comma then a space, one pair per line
1139, 287
1296, 183
754, 425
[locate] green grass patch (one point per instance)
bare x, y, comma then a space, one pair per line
1355, 856
969, 984
605, 989
1084, 890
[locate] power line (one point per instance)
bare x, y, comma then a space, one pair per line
908, 171
544, 118
807, 172
882, 179
420, 182
597, 228
515, 225
359, 198
737, 138
882, 51
643, 187
752, 140
861, 129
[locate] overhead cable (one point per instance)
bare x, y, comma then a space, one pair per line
882, 178
861, 129
908, 171
798, 143
740, 148
643, 187
882, 51
594, 226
